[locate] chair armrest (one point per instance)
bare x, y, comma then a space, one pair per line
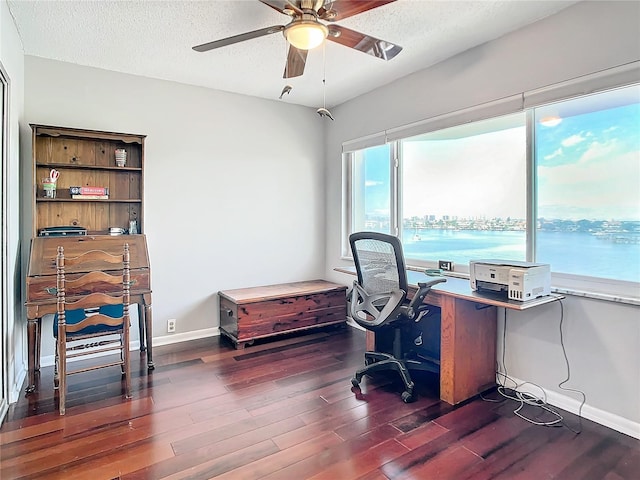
414, 309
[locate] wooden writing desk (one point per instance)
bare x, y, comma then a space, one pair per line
41, 285
468, 333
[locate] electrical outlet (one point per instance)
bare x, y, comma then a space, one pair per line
445, 265
171, 325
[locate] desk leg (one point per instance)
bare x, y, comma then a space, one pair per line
468, 349
33, 351
370, 341
141, 328
148, 323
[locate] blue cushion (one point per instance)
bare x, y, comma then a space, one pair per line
114, 311
74, 316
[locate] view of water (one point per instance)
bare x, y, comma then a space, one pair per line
577, 253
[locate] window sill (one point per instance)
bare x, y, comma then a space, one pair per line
564, 290
597, 296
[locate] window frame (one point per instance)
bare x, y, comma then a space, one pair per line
595, 287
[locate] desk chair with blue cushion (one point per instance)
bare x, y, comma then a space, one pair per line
92, 314
379, 303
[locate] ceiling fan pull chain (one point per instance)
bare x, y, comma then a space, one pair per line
324, 75
322, 111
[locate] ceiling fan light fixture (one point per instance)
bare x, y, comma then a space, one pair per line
305, 34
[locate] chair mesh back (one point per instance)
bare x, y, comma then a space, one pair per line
377, 265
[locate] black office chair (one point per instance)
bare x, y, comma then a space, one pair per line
379, 303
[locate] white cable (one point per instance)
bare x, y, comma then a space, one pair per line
526, 398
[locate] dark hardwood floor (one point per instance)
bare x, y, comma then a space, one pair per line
285, 409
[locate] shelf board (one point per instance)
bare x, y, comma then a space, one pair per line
102, 200
89, 167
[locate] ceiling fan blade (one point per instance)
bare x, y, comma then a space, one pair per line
205, 47
364, 43
296, 60
282, 6
340, 9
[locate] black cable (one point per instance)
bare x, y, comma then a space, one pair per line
499, 374
560, 385
524, 398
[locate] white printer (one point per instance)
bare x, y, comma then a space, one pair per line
520, 280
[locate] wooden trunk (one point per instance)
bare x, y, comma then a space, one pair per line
250, 313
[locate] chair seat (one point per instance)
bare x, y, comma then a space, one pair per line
76, 316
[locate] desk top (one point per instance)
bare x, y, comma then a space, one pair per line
461, 288
44, 250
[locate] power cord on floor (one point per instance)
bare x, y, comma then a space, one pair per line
525, 398
560, 385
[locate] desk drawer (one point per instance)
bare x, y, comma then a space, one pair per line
42, 289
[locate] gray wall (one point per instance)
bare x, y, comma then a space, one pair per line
602, 338
233, 189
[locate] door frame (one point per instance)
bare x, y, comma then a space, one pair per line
4, 270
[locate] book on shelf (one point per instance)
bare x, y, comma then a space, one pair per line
90, 197
89, 190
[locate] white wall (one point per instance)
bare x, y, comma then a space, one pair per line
13, 63
602, 338
234, 185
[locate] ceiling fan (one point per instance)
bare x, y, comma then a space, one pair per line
306, 31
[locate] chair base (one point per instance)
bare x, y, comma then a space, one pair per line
377, 361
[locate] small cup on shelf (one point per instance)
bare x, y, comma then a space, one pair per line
49, 187
121, 157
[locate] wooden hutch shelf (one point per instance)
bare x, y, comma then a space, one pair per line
87, 158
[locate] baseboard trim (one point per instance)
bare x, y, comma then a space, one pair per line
608, 419
47, 361
185, 337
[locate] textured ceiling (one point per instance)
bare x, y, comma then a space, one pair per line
154, 39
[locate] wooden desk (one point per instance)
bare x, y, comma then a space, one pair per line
468, 333
41, 286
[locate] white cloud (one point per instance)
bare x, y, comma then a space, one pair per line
572, 140
555, 154
599, 151
602, 189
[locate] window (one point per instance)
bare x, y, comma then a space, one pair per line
480, 214
371, 189
557, 184
588, 174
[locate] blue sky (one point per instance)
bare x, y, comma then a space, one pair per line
589, 166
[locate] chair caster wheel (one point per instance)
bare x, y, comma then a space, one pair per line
355, 382
407, 397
